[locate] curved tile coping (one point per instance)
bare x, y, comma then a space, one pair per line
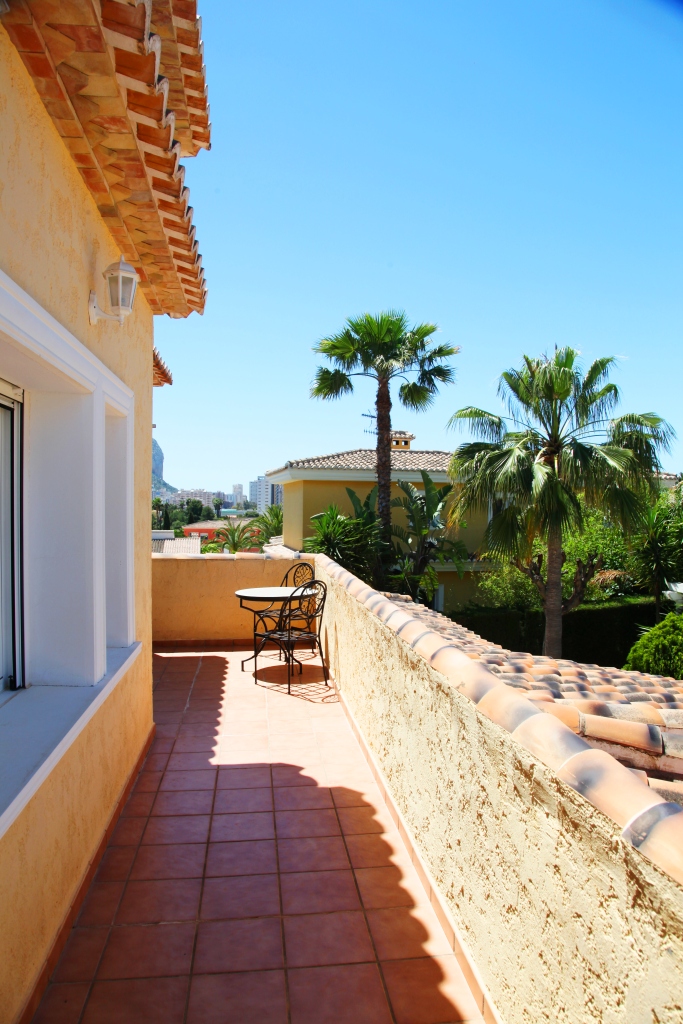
648, 821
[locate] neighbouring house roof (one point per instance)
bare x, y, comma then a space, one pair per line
160, 372
364, 461
124, 85
177, 546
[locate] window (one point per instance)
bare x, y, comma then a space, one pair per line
11, 672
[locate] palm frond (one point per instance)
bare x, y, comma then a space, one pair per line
482, 424
330, 384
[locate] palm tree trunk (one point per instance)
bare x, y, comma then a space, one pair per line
383, 407
552, 642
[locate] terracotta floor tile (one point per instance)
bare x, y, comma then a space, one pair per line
352, 994
318, 892
315, 940
364, 820
243, 778
170, 861
115, 864
325, 853
148, 782
152, 951
240, 896
401, 933
205, 779
300, 798
81, 955
241, 858
431, 990
190, 761
150, 902
162, 745
156, 762
370, 795
62, 1004
189, 828
257, 997
167, 717
138, 805
194, 744
128, 832
151, 1001
247, 757
183, 801
291, 775
227, 946
378, 851
231, 801
389, 887
100, 904
227, 827
305, 824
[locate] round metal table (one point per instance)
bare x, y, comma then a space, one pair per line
262, 595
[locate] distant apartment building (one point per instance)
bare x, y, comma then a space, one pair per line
263, 494
237, 494
206, 497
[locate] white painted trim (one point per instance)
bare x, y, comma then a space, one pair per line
105, 688
34, 329
349, 476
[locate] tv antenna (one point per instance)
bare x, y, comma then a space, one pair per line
370, 416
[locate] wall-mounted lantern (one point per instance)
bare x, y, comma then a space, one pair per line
121, 281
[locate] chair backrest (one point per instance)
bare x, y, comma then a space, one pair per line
303, 609
300, 573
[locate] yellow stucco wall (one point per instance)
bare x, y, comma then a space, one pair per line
54, 244
305, 498
214, 612
564, 920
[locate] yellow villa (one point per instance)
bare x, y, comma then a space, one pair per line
311, 484
98, 102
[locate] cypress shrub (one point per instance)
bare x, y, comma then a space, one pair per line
660, 650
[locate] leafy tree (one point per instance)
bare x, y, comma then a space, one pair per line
193, 507
269, 524
235, 537
218, 505
208, 512
563, 443
350, 542
659, 650
385, 349
166, 523
425, 538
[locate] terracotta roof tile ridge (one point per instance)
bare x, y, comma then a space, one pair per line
647, 820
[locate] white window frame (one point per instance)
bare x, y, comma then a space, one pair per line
78, 569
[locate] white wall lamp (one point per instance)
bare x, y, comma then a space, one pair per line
122, 280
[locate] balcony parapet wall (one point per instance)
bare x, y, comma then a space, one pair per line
193, 596
562, 870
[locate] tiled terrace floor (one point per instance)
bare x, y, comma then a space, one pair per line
255, 876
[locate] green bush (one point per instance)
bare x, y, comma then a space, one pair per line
659, 650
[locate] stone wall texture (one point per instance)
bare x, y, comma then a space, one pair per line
565, 919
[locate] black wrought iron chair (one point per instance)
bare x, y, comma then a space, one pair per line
298, 624
300, 573
266, 618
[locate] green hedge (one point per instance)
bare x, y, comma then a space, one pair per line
660, 651
598, 634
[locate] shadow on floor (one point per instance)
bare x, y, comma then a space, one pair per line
255, 876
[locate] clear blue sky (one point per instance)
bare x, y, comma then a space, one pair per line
511, 171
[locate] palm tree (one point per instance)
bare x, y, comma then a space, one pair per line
384, 348
562, 443
425, 537
269, 524
656, 551
235, 537
157, 505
